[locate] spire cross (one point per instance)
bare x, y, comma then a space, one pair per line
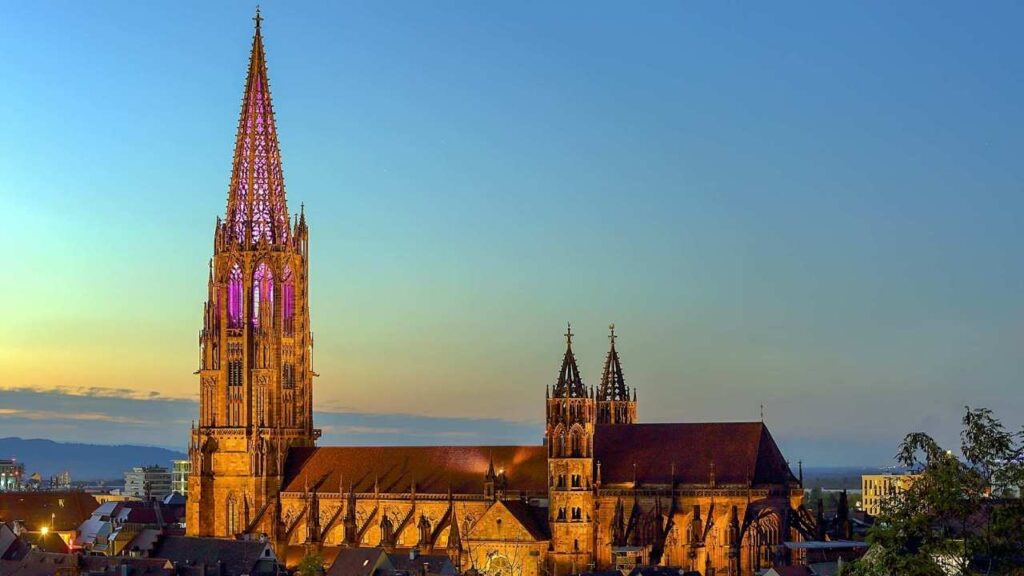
257, 18
568, 333
612, 336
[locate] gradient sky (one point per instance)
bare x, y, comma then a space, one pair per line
809, 205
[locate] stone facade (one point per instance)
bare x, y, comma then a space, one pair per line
255, 375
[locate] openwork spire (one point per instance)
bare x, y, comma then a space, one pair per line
257, 210
570, 384
613, 384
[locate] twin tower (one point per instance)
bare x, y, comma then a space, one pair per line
573, 411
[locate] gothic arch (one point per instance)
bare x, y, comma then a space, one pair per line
288, 299
231, 517
578, 442
236, 289
762, 538
557, 441
262, 291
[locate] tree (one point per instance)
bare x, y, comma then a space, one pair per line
954, 519
312, 564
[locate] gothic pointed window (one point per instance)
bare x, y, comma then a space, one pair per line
288, 376
262, 292
576, 443
235, 297
232, 516
288, 301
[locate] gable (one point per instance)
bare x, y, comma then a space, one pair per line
507, 523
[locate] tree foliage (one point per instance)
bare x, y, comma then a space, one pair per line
961, 516
312, 564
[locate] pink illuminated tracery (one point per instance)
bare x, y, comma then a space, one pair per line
262, 291
288, 301
257, 210
235, 297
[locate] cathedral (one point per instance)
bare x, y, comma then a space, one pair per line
602, 491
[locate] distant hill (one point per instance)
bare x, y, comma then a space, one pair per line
839, 477
83, 461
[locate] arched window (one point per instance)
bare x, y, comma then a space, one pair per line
262, 292
576, 443
288, 301
232, 516
235, 297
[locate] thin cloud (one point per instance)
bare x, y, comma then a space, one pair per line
78, 416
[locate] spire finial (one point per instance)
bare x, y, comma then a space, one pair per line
257, 18
612, 336
568, 333
762, 412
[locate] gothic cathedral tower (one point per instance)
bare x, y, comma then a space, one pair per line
570, 442
614, 405
256, 370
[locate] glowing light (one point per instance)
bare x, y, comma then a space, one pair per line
257, 210
288, 304
262, 291
235, 298
44, 530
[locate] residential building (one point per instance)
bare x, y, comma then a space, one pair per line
213, 556
60, 481
47, 513
148, 482
118, 527
38, 562
876, 488
11, 473
179, 476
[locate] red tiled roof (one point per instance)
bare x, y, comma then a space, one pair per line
433, 468
66, 510
740, 451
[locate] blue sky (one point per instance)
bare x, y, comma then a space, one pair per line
812, 206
